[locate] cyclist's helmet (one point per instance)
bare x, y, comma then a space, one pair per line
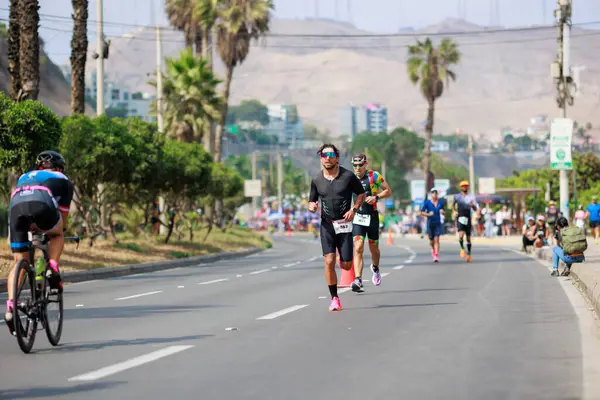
50, 159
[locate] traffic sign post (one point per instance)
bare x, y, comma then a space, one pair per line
561, 134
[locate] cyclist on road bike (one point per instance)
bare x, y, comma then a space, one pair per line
40, 202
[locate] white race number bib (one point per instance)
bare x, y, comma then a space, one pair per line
341, 226
362, 220
463, 220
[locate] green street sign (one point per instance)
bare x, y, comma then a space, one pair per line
561, 133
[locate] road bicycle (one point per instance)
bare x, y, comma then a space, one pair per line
29, 311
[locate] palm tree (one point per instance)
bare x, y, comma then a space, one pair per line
181, 16
429, 67
190, 93
13, 50
29, 49
239, 22
79, 45
205, 14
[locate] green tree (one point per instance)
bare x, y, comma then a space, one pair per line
239, 22
99, 151
250, 110
401, 150
79, 48
26, 129
14, 64
29, 46
429, 67
181, 16
191, 100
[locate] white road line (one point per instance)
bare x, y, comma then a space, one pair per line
213, 281
344, 290
239, 276
78, 305
125, 365
408, 261
283, 312
385, 274
289, 265
259, 272
180, 287
275, 267
297, 262
322, 297
399, 267
139, 295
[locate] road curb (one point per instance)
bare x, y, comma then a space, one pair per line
133, 269
583, 277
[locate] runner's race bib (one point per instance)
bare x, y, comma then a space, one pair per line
463, 220
341, 226
362, 219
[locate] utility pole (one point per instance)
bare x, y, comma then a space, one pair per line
561, 72
279, 181
471, 166
254, 199
100, 96
99, 61
159, 112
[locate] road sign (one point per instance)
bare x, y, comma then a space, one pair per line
417, 189
252, 188
487, 185
561, 133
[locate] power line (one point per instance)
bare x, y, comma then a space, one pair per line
363, 47
365, 35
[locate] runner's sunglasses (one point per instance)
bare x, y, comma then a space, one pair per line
330, 154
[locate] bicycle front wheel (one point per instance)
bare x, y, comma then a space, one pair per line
52, 311
24, 313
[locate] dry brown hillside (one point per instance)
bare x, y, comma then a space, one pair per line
54, 90
503, 79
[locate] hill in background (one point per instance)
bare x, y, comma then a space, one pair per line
503, 79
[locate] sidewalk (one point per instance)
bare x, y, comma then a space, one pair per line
586, 275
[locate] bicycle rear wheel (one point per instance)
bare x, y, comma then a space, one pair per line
24, 313
53, 320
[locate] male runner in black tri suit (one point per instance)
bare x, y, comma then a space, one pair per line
334, 186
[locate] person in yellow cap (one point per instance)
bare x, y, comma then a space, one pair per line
464, 205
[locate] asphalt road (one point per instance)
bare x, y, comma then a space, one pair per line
497, 328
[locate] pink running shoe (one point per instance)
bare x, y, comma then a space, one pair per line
335, 304
376, 279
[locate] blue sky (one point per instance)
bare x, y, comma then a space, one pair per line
373, 15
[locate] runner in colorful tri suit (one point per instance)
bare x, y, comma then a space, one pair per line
463, 207
366, 220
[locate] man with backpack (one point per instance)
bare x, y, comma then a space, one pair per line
571, 244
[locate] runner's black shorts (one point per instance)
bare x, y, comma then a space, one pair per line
37, 207
465, 228
372, 231
330, 242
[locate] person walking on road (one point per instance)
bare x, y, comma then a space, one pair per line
433, 209
464, 205
366, 221
334, 186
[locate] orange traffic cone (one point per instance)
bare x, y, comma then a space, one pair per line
347, 276
289, 231
390, 239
